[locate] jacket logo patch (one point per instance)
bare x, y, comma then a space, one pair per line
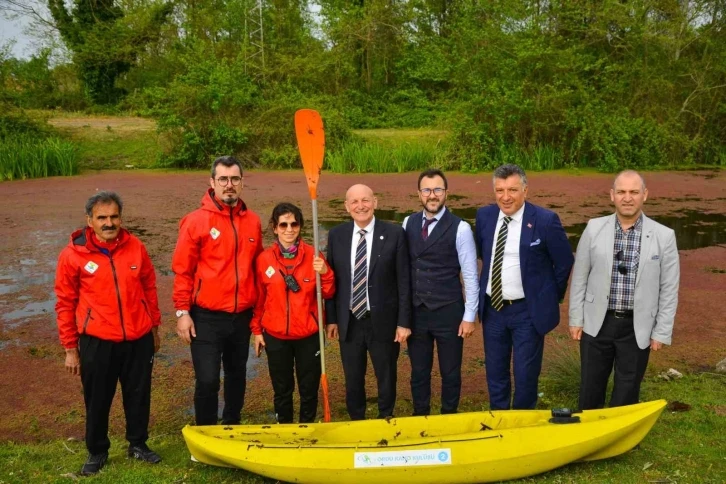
251, 239
306, 280
270, 272
91, 267
214, 233
133, 268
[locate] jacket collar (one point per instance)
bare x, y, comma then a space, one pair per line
211, 203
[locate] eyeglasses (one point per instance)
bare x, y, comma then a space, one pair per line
622, 268
436, 191
292, 225
224, 180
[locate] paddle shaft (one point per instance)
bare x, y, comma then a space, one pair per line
318, 287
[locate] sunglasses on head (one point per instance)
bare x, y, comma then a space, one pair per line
284, 225
622, 268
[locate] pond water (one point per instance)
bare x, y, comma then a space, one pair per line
694, 229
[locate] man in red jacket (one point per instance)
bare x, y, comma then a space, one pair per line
108, 315
214, 290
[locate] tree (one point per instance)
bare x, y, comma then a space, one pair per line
106, 39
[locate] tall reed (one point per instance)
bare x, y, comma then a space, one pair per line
25, 156
538, 158
371, 157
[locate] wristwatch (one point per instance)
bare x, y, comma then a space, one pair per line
181, 312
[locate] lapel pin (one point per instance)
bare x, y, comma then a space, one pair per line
381, 237
529, 226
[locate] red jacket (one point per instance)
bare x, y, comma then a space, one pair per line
280, 312
214, 257
112, 297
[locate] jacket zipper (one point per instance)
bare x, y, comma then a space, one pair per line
236, 248
287, 291
118, 297
85, 323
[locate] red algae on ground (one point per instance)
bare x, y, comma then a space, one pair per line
37, 216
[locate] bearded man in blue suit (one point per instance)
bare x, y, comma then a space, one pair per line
526, 262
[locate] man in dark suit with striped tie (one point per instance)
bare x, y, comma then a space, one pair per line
371, 310
526, 262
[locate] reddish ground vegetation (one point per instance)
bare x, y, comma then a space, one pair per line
41, 401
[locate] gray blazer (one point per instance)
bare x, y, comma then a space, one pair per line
656, 284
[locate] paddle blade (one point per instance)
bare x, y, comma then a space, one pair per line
311, 143
326, 399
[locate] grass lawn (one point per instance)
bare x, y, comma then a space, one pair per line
111, 142
683, 447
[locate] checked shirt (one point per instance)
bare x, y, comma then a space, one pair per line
622, 286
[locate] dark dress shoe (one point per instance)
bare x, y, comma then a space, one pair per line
143, 453
94, 463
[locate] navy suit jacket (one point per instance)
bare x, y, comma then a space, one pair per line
545, 260
389, 279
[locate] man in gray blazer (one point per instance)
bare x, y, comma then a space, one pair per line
623, 295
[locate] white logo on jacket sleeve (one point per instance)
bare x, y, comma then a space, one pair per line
91, 267
214, 233
270, 272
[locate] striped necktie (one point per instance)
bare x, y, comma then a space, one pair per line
359, 301
497, 300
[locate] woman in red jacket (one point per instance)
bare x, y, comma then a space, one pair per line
285, 320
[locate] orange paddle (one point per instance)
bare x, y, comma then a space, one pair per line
311, 143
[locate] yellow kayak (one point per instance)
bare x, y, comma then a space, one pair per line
465, 447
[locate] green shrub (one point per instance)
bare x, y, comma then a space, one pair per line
400, 108
610, 139
272, 129
197, 145
16, 123
284, 157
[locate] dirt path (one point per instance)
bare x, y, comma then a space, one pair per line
128, 123
37, 217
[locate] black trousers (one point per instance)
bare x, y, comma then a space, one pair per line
104, 364
614, 346
354, 355
440, 326
223, 339
299, 356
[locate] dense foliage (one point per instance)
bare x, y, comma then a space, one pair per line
548, 83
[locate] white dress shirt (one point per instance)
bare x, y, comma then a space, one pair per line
354, 249
511, 274
466, 252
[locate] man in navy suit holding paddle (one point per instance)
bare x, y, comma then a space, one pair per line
526, 262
